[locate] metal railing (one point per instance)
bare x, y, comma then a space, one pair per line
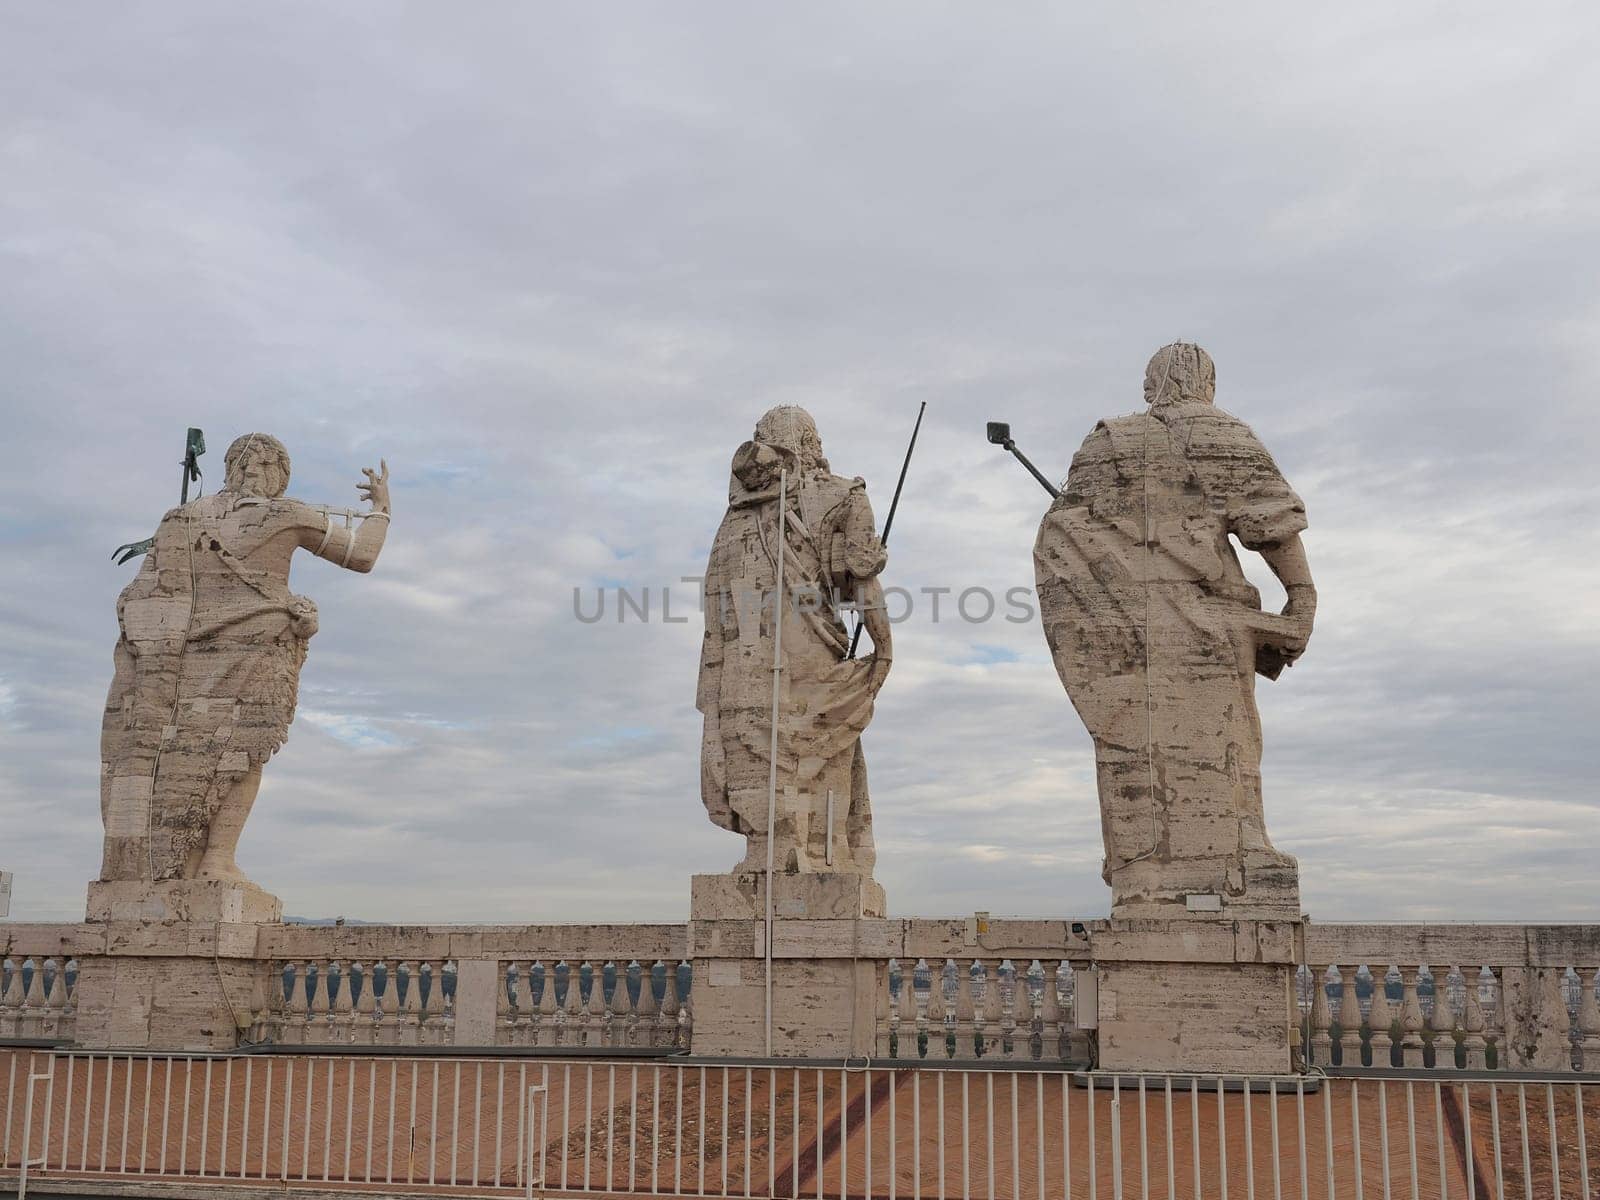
772, 1129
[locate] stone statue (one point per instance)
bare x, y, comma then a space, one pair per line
208, 664
831, 555
1158, 638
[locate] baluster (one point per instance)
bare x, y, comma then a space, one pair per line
1473, 1022
448, 974
533, 980
548, 1032
1349, 1017
384, 1029
1321, 1019
906, 1041
541, 1004
296, 1002
364, 1027
32, 1014
969, 1038
887, 1020
10, 996
1443, 1021
567, 1010
594, 1024
939, 1016
1499, 1022
55, 996
260, 1025
341, 1009
1411, 1019
408, 985
1031, 997
638, 988
527, 1004
1380, 1020
506, 1023
649, 1022
619, 1010
1588, 1019
69, 1012
272, 1028
921, 986
309, 981
684, 985
428, 1003
1052, 1028
1005, 1007
664, 993
988, 1037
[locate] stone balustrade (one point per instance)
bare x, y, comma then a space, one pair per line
612, 986
539, 1002
1434, 996
1451, 996
959, 1009
38, 999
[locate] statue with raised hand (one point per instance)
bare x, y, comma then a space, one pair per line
207, 666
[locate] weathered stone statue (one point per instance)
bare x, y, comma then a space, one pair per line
1158, 638
824, 819
207, 670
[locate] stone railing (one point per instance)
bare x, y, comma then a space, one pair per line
1467, 996
38, 1000
38, 984
619, 987
1003, 990
1514, 998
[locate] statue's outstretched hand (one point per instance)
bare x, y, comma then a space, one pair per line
376, 488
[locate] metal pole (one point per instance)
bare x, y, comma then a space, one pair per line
27, 1128
772, 772
534, 1092
888, 524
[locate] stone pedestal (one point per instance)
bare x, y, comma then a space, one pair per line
177, 967
195, 900
1191, 996
824, 970
1258, 885
169, 985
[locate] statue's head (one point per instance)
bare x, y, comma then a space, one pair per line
789, 428
1181, 373
257, 465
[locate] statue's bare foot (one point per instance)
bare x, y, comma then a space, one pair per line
222, 872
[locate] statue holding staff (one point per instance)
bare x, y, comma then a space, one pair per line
207, 666
825, 697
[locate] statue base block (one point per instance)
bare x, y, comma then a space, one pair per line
241, 903
1259, 885
815, 896
170, 986
1193, 997
824, 964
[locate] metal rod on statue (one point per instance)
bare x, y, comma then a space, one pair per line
855, 638
772, 770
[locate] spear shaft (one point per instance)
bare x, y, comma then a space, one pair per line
855, 639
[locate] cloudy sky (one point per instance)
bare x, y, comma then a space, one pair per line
553, 260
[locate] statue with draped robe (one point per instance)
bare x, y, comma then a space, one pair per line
207, 665
1158, 637
831, 560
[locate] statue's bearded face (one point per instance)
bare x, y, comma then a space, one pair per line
257, 465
